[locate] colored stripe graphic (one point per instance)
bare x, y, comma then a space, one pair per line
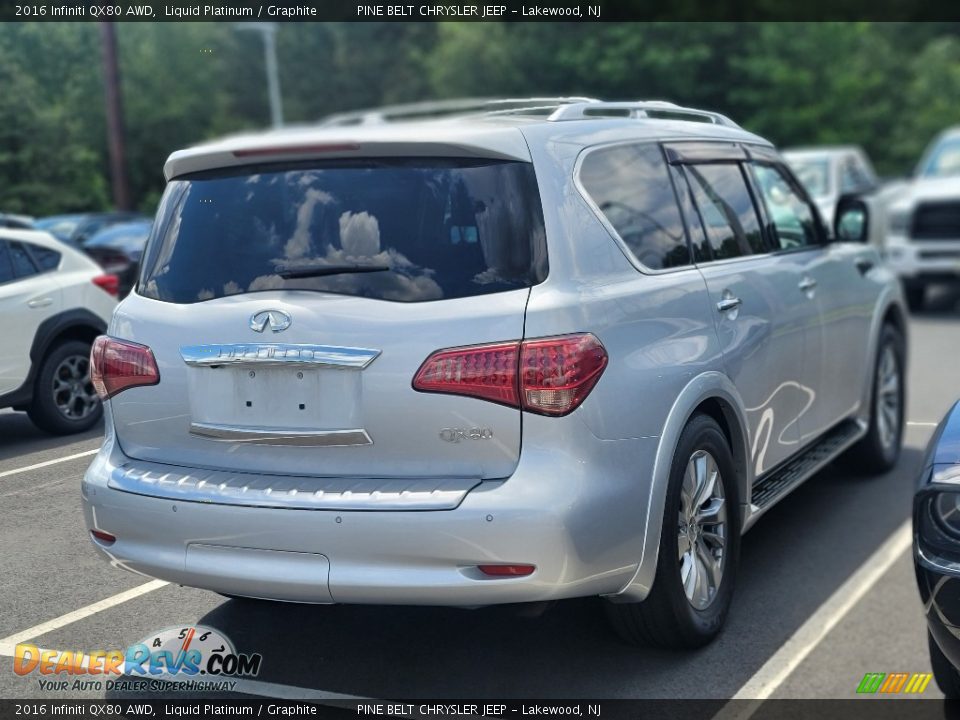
871, 682
892, 683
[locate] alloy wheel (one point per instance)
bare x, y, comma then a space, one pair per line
702, 530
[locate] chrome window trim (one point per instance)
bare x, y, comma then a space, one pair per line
282, 354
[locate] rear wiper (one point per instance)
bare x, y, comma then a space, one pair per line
309, 271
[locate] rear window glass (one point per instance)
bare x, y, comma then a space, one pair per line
403, 230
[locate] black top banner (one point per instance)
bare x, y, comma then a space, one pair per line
588, 11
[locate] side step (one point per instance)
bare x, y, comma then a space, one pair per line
773, 487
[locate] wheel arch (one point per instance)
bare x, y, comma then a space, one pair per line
889, 311
714, 394
78, 324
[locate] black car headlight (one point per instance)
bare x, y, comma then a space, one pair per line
945, 509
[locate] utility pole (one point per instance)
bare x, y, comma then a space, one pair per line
114, 109
268, 32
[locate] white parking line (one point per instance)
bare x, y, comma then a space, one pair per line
46, 463
795, 650
9, 643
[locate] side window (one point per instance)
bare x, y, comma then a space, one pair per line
726, 209
631, 186
22, 264
46, 258
792, 218
6, 269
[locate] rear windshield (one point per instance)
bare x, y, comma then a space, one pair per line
402, 230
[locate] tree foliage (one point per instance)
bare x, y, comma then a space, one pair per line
887, 87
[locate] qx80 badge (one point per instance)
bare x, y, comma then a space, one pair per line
455, 435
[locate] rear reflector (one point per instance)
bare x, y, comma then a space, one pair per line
549, 376
104, 537
506, 570
116, 365
108, 283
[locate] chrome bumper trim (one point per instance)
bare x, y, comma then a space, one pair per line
223, 487
261, 354
272, 436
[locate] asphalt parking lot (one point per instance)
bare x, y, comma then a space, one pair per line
825, 593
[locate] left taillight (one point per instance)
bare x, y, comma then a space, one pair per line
116, 365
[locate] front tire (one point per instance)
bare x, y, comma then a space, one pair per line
878, 450
946, 675
699, 548
64, 400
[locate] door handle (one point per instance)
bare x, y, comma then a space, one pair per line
864, 265
40, 302
807, 284
728, 304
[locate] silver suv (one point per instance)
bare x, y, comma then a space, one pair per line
557, 349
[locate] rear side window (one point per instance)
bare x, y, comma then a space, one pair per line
6, 269
726, 209
631, 186
22, 263
405, 230
45, 258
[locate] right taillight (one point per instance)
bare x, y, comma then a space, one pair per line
116, 365
557, 374
549, 376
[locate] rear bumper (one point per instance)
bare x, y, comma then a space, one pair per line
580, 523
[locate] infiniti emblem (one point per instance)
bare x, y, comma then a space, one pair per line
277, 320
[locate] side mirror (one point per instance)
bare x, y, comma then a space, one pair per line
851, 222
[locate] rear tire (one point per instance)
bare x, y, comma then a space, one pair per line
697, 562
946, 675
64, 400
878, 450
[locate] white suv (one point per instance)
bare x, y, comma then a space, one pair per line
923, 236
54, 301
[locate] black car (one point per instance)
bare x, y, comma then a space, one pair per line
118, 248
936, 550
78, 228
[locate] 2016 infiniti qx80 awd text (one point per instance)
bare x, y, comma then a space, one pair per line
545, 350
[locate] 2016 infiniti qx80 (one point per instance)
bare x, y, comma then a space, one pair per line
551, 349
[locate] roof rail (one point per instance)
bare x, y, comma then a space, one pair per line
442, 108
638, 109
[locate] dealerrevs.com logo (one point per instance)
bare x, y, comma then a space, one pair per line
174, 658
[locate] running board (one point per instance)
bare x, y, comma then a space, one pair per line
781, 482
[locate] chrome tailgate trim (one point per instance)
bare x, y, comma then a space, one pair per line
260, 354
